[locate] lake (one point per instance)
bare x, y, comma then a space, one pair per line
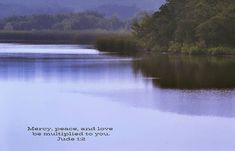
160, 103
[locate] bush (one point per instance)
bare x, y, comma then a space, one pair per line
196, 50
123, 44
220, 51
192, 49
175, 47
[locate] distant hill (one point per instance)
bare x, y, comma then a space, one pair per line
121, 11
120, 8
86, 20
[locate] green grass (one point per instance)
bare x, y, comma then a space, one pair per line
57, 37
199, 49
122, 43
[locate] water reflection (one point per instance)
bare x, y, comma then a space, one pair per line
67, 67
119, 79
61, 90
185, 72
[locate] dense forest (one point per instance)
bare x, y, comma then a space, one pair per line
189, 26
88, 20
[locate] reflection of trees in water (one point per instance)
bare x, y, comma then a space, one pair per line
60, 66
187, 72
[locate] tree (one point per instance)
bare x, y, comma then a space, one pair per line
190, 22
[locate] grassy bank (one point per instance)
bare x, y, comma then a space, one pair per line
54, 37
200, 49
37, 37
122, 43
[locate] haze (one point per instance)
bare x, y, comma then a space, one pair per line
28, 7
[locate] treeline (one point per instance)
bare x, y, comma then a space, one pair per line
88, 20
57, 37
190, 26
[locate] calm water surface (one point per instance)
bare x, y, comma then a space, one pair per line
163, 103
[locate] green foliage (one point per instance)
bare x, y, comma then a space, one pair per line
199, 49
118, 43
221, 51
69, 21
191, 49
61, 37
175, 47
193, 25
196, 50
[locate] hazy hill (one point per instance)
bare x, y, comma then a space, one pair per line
121, 11
121, 8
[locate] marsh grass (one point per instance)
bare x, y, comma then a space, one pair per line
57, 37
198, 49
122, 43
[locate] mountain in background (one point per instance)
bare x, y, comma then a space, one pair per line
121, 8
121, 11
